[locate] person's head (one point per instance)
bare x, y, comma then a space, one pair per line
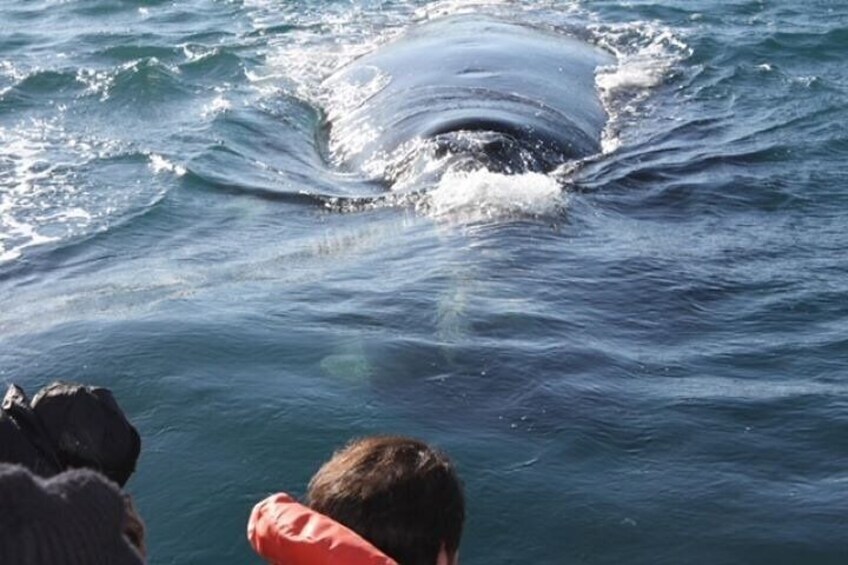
399, 494
76, 516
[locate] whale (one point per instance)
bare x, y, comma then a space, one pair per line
466, 92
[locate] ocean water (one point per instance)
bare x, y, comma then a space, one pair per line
640, 359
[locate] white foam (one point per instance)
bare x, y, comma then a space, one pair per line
97, 82
6, 256
8, 68
217, 106
25, 174
44, 193
646, 53
17, 236
482, 194
9, 75
548, 13
298, 61
301, 59
196, 52
444, 8
160, 164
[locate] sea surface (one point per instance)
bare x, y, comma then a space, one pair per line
647, 365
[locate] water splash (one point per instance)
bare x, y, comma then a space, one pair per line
218, 105
480, 195
49, 191
160, 164
39, 199
646, 54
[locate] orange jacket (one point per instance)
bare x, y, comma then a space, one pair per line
285, 532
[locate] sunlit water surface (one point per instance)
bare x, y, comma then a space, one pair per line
641, 359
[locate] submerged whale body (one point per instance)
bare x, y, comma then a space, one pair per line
467, 93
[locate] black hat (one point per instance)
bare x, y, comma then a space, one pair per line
88, 429
22, 437
74, 518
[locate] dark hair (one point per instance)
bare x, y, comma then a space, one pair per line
398, 493
88, 429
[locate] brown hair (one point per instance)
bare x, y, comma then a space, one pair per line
398, 493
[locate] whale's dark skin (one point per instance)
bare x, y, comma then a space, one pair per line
515, 98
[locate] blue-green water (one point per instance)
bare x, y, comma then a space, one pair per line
653, 368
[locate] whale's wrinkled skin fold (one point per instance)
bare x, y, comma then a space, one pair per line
481, 92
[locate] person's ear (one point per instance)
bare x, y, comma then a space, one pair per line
447, 559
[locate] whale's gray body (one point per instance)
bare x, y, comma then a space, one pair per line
482, 92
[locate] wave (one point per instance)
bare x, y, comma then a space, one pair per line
131, 48
56, 186
213, 66
140, 81
29, 89
144, 82
817, 46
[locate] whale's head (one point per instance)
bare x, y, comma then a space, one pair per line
467, 93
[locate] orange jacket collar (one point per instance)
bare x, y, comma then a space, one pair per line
285, 532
